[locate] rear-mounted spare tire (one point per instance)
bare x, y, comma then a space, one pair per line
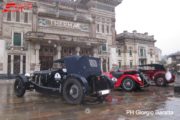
73, 91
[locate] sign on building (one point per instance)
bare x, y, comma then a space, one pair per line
61, 23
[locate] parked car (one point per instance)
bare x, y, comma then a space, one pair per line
74, 77
158, 74
128, 80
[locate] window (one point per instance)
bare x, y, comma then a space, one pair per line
130, 51
142, 52
131, 64
17, 39
104, 47
151, 53
119, 63
17, 16
102, 28
119, 52
107, 28
97, 28
9, 16
26, 17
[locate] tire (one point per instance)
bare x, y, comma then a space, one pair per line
128, 84
19, 87
160, 80
73, 91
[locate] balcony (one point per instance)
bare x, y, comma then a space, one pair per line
62, 38
23, 47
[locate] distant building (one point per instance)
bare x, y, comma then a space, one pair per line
135, 49
174, 58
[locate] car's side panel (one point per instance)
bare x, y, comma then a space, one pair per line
157, 73
109, 81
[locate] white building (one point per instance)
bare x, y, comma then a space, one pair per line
135, 49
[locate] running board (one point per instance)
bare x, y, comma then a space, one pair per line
45, 89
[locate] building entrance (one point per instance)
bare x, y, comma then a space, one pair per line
46, 55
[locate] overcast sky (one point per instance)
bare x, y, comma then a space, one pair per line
160, 18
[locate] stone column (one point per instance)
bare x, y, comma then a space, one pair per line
37, 48
78, 51
113, 31
95, 52
125, 56
101, 64
21, 64
12, 64
34, 17
92, 32
28, 57
59, 49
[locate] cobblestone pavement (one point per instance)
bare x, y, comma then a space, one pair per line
152, 103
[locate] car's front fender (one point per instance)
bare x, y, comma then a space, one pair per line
133, 77
24, 80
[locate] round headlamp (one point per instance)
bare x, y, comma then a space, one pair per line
27, 75
114, 79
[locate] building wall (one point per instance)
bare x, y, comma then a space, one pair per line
3, 61
29, 49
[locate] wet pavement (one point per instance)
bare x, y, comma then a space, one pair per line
152, 103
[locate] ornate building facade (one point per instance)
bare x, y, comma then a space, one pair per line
135, 49
52, 29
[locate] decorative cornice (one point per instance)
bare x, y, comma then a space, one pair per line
135, 36
112, 2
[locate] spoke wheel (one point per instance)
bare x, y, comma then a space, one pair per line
73, 91
128, 84
160, 81
19, 87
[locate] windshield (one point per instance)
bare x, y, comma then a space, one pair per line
56, 66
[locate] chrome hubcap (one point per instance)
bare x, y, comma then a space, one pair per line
74, 91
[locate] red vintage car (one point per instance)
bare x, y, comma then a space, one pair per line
158, 74
128, 80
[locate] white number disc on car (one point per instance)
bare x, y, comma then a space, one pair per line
57, 76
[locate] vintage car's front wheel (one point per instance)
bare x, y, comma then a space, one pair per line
160, 80
19, 87
73, 91
128, 84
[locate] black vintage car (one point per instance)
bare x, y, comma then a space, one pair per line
74, 77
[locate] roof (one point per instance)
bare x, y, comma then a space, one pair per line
157, 66
82, 65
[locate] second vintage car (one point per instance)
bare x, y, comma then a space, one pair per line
74, 77
158, 74
128, 80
